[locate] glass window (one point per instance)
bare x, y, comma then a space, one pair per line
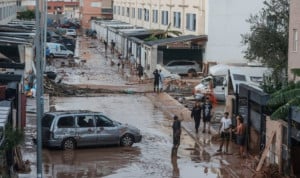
127, 11
103, 121
295, 40
66, 122
239, 77
140, 13
133, 12
47, 120
146, 15
177, 20
191, 21
85, 121
155, 16
164, 18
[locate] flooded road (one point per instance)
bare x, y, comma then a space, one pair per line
149, 158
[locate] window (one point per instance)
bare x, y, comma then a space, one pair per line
103, 121
295, 40
140, 13
115, 10
154, 16
47, 120
85, 121
127, 12
177, 19
65, 122
146, 15
133, 12
119, 10
49, 7
123, 11
239, 77
164, 18
191, 21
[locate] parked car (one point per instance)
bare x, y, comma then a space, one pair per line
71, 32
71, 129
59, 50
183, 67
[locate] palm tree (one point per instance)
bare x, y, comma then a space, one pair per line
281, 100
159, 34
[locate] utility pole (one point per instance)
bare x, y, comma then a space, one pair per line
39, 85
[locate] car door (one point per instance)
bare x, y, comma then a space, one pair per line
173, 67
86, 130
63, 51
108, 132
65, 128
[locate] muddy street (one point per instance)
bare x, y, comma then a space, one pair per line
150, 158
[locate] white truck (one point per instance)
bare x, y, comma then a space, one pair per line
225, 79
58, 50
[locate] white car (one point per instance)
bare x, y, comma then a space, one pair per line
183, 67
71, 32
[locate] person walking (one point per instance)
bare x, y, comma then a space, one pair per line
105, 47
156, 80
196, 114
224, 130
207, 112
140, 70
112, 45
176, 134
161, 81
240, 134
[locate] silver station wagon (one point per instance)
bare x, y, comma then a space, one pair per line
71, 129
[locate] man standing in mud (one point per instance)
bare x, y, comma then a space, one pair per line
176, 134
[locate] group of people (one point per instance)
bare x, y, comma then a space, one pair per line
158, 80
226, 128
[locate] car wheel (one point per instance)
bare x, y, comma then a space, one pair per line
127, 140
193, 72
68, 144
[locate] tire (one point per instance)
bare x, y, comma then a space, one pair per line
193, 72
127, 140
68, 144
51, 56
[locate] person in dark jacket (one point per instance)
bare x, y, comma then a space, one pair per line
156, 80
140, 70
207, 113
196, 114
176, 132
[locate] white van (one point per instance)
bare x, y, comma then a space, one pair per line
59, 50
225, 79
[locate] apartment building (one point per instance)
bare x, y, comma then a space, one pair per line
94, 9
187, 16
222, 21
294, 30
8, 10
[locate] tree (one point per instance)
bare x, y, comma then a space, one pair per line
26, 15
267, 41
281, 100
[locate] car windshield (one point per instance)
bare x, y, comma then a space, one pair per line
47, 120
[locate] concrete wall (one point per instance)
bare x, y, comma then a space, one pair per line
275, 150
294, 27
226, 21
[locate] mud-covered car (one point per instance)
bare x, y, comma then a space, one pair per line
71, 129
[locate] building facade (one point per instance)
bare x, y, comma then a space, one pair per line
222, 21
8, 10
187, 16
94, 9
294, 30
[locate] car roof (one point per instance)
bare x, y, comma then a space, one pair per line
66, 112
181, 61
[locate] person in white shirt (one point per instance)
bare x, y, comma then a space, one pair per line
224, 130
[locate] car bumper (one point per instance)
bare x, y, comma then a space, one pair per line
52, 143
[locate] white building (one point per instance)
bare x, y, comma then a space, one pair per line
223, 21
8, 10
